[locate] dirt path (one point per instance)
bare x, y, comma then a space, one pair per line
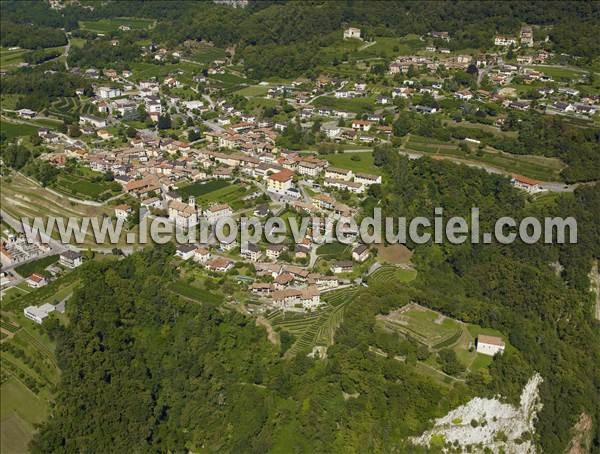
595, 287
271, 334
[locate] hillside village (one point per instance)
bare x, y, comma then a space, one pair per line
164, 142
140, 119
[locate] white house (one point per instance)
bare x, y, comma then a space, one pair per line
251, 252
360, 253
38, 314
367, 179
220, 265
108, 92
185, 251
332, 131
70, 259
489, 345
93, 120
202, 255
505, 41
36, 280
527, 184
297, 299
339, 174
123, 211
352, 33
342, 266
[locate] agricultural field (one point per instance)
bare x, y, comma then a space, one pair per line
389, 273
112, 25
357, 105
357, 162
70, 108
217, 191
538, 167
438, 332
207, 54
37, 266
559, 74
11, 58
22, 197
316, 328
228, 80
86, 184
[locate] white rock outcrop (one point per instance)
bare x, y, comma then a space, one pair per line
489, 423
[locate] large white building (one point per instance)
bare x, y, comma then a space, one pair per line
38, 313
108, 92
352, 33
489, 345
92, 120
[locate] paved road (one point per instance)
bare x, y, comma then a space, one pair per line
328, 93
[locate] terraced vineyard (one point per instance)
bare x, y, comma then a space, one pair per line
70, 108
317, 328
391, 273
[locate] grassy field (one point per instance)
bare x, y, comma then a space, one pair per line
437, 332
143, 71
394, 254
11, 130
424, 325
558, 74
195, 293
253, 90
228, 80
37, 266
11, 58
217, 191
538, 167
335, 250
208, 54
357, 105
357, 162
111, 25
202, 188
20, 410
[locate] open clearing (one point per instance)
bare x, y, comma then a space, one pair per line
394, 254
357, 162
112, 25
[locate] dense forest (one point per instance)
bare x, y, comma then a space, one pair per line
143, 371
299, 29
